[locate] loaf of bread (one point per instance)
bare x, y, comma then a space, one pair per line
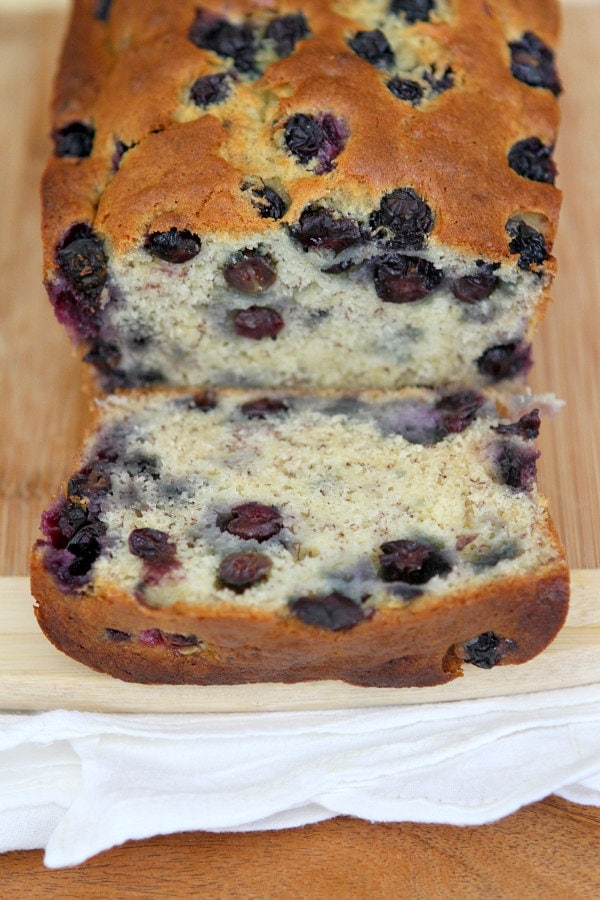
384, 539
333, 194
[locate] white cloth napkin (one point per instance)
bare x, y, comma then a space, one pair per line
78, 783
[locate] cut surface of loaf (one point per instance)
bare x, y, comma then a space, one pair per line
236, 536
338, 195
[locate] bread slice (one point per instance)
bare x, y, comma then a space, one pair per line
354, 196
383, 539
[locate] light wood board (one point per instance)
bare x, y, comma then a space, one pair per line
35, 676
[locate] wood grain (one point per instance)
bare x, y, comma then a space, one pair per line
29, 663
547, 850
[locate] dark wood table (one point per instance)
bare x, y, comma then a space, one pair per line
549, 849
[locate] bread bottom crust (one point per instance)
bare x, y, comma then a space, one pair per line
395, 648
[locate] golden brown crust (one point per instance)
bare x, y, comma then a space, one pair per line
393, 649
127, 76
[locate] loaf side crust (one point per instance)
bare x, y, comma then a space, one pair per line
390, 650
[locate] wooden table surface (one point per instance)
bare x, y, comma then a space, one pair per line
549, 849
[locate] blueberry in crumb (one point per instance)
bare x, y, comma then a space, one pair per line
516, 465
413, 10
233, 41
405, 279
403, 220
441, 83
82, 260
257, 322
267, 201
242, 570
116, 636
527, 242
156, 550
75, 140
532, 159
211, 89
286, 31
485, 651
311, 137
374, 47
319, 228
532, 62
173, 246
528, 426
406, 89
411, 562
477, 286
505, 360
455, 412
334, 612
250, 272
263, 407
252, 521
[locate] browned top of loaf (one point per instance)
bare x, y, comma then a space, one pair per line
129, 77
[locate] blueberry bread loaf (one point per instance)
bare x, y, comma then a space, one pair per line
239, 536
341, 195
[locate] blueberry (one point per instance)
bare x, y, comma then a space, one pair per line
532, 159
486, 650
527, 242
267, 201
477, 286
263, 407
85, 545
211, 89
250, 272
334, 612
516, 466
505, 360
158, 553
66, 569
116, 636
304, 137
455, 412
411, 562
241, 570
439, 84
76, 139
82, 260
405, 279
252, 521
309, 137
102, 10
528, 426
151, 544
61, 521
257, 322
403, 220
532, 62
413, 10
91, 479
286, 31
422, 423
320, 228
373, 46
406, 89
236, 42
173, 246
